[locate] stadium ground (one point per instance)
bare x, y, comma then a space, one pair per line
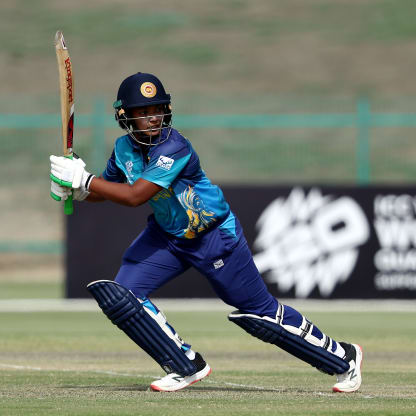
68, 359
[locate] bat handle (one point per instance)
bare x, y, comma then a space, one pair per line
68, 205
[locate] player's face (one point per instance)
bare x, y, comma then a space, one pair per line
148, 119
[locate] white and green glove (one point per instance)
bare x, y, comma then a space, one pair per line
70, 173
66, 174
61, 193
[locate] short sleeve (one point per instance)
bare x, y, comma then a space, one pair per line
112, 172
166, 163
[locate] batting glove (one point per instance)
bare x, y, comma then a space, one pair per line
80, 194
61, 193
70, 173
58, 192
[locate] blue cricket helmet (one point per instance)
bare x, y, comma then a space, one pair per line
139, 90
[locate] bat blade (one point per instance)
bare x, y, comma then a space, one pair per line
66, 88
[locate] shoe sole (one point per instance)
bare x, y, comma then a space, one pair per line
205, 372
352, 390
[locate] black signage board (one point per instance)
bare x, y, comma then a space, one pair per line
308, 242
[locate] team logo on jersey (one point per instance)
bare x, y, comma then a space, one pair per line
164, 162
218, 264
148, 89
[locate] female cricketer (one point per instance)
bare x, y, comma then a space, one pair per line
191, 226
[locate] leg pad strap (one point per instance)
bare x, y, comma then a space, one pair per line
124, 310
270, 331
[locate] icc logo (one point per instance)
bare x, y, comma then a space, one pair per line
129, 169
307, 241
129, 166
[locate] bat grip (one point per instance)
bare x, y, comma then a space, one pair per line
68, 205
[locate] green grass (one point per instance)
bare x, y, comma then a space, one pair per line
30, 290
65, 362
218, 57
377, 21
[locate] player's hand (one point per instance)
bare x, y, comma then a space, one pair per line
58, 192
70, 173
61, 193
80, 194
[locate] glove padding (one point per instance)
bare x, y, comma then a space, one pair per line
58, 192
70, 173
80, 194
61, 193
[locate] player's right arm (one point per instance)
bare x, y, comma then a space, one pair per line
111, 186
112, 174
71, 173
123, 193
94, 197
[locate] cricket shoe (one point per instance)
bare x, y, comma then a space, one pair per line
175, 382
350, 380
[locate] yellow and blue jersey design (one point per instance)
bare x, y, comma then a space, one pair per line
199, 218
189, 204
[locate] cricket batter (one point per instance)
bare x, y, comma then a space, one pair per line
192, 226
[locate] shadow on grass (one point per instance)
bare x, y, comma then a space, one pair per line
193, 389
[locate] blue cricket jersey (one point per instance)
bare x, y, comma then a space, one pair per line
189, 204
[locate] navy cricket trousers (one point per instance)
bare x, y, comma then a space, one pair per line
156, 257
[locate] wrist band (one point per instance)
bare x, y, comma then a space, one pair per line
88, 181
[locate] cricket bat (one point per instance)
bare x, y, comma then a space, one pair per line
66, 89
